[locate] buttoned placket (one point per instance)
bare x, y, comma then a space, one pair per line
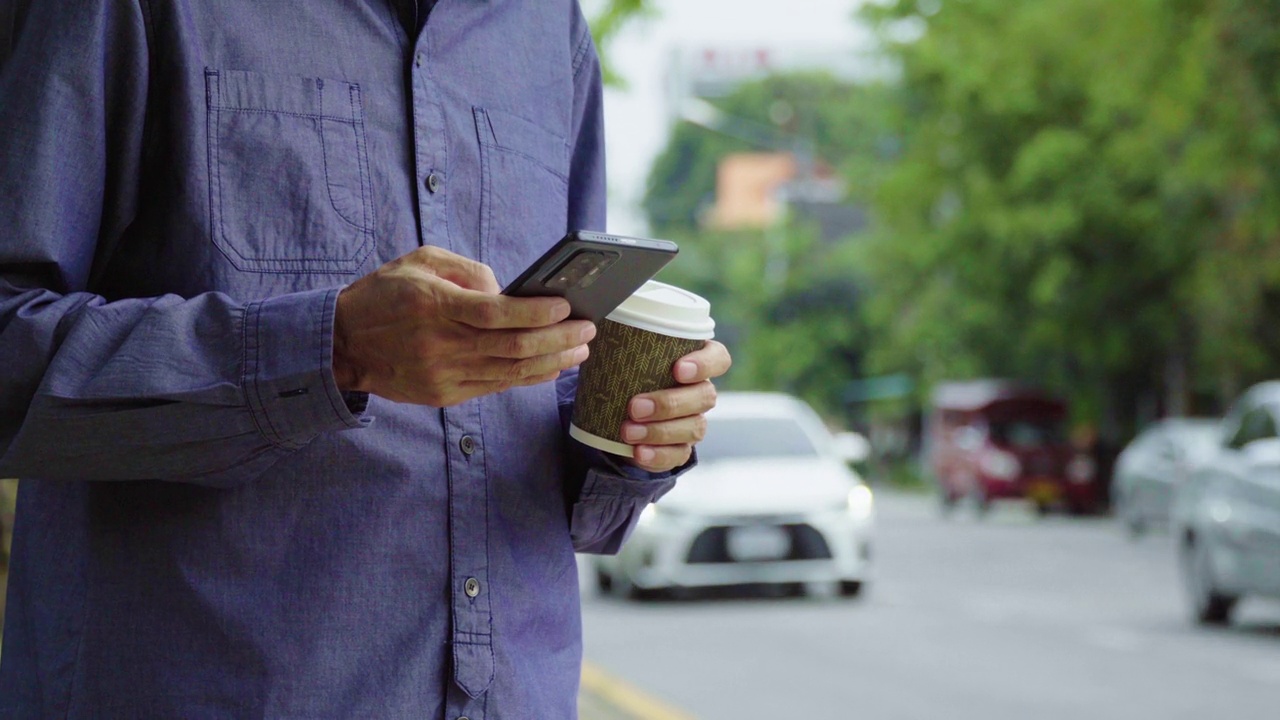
471, 640
469, 551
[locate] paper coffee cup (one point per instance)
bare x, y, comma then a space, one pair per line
633, 352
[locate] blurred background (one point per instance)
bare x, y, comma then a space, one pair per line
1027, 252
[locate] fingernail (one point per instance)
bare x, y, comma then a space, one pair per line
561, 311
634, 433
686, 371
645, 455
587, 334
580, 355
642, 408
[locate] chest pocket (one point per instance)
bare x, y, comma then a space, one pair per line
288, 172
524, 202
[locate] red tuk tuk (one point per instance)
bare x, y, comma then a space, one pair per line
993, 439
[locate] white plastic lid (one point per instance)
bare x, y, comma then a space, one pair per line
667, 310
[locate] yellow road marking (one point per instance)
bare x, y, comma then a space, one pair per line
625, 697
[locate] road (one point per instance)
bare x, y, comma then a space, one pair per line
1008, 618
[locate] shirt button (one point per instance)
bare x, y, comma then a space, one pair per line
468, 444
417, 60
471, 587
433, 182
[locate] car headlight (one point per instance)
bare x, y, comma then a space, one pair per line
654, 512
861, 502
1000, 465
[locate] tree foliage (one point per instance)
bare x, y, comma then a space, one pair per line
1087, 195
786, 301
1081, 193
613, 17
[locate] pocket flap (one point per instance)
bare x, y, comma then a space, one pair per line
313, 97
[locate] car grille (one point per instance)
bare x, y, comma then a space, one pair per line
710, 545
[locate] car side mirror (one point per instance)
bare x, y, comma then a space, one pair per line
1263, 453
852, 447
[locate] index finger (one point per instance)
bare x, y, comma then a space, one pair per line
455, 268
502, 312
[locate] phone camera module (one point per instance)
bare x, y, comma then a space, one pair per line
603, 262
581, 270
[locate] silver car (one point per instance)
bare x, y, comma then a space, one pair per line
772, 501
1158, 461
1227, 517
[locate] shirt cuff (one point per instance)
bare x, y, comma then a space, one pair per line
609, 476
288, 369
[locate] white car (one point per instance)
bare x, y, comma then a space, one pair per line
1155, 465
1227, 517
771, 501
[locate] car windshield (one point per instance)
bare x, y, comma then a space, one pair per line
729, 438
1027, 433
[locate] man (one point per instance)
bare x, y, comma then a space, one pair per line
289, 452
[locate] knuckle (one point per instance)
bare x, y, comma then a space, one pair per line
516, 345
416, 300
434, 381
486, 313
537, 379
709, 394
515, 371
700, 428
680, 404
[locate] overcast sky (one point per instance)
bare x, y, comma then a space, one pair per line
636, 117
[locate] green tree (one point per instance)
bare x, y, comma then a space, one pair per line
1086, 196
605, 27
801, 331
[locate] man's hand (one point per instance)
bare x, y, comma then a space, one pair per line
430, 328
665, 425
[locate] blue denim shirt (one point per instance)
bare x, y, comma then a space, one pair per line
207, 526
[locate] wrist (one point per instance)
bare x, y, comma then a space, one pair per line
345, 369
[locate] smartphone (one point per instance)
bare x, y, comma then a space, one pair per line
595, 272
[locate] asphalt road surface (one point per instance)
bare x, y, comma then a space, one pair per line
1009, 618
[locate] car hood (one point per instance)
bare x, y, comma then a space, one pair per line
762, 486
